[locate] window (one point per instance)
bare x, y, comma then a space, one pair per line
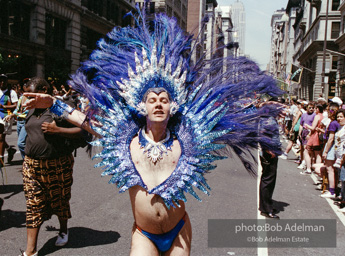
335, 30
334, 62
169, 11
95, 6
152, 7
335, 5
177, 4
110, 10
15, 19
90, 38
332, 83
55, 31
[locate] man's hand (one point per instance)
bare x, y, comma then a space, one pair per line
38, 100
271, 153
50, 128
8, 118
324, 155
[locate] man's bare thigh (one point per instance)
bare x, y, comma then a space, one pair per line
141, 245
182, 243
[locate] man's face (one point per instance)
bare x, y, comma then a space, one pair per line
158, 107
310, 109
3, 83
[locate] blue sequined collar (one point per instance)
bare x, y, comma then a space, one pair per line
155, 150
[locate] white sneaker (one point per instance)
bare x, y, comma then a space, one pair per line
302, 166
327, 194
283, 156
306, 172
24, 254
62, 239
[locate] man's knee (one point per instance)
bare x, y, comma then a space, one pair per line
21, 145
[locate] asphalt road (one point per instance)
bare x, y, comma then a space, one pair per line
102, 218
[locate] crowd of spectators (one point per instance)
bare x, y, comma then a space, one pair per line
315, 131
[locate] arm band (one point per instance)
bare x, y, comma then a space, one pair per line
60, 108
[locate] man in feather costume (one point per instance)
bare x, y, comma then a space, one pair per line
162, 121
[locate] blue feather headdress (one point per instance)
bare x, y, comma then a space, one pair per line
208, 101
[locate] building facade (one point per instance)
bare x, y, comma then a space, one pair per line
276, 65
238, 17
210, 35
195, 26
225, 30
173, 8
314, 31
290, 65
317, 39
50, 38
341, 55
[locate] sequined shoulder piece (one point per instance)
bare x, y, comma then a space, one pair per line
117, 130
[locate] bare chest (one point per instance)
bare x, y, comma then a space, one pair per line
153, 174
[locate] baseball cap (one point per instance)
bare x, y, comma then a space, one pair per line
337, 100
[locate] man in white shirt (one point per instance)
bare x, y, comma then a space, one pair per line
8, 102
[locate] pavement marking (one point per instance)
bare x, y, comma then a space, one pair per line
335, 208
262, 251
340, 215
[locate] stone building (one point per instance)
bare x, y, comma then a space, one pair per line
340, 88
225, 30
239, 22
276, 65
316, 33
49, 38
210, 34
196, 13
173, 8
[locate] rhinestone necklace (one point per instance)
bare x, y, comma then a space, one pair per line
154, 149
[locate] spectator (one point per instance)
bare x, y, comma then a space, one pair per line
20, 114
306, 119
339, 145
314, 145
8, 102
47, 169
337, 100
328, 155
269, 128
294, 127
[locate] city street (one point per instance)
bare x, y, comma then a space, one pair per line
102, 219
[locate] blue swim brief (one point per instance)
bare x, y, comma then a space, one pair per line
164, 241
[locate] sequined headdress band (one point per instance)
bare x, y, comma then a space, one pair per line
153, 71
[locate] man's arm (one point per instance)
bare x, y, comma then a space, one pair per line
314, 124
52, 128
295, 120
77, 118
329, 144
